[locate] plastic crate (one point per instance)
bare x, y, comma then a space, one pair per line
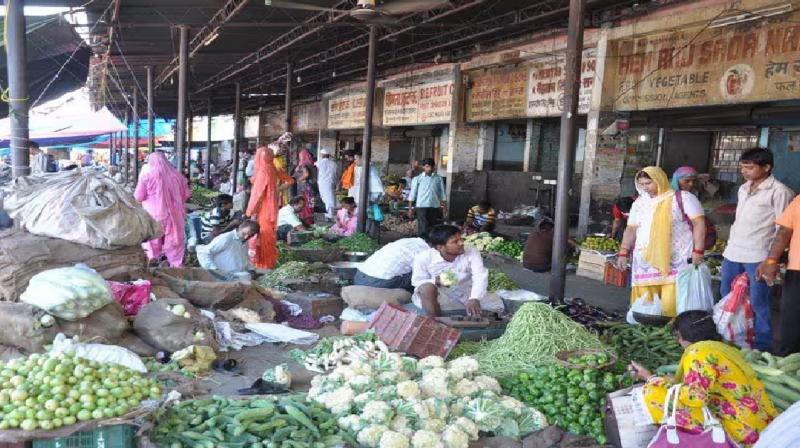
115, 436
614, 276
416, 335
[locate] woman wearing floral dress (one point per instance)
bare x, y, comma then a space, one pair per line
714, 375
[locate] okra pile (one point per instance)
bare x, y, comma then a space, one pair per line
271, 422
650, 346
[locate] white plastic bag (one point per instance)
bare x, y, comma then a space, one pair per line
694, 289
69, 293
734, 314
282, 333
99, 352
644, 305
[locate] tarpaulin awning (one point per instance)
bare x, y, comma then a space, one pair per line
71, 127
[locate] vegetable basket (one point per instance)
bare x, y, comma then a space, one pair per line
564, 356
651, 319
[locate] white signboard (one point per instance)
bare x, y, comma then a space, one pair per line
347, 112
546, 85
418, 105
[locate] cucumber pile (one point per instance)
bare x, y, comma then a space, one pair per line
286, 422
781, 376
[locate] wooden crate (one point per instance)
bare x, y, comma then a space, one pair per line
318, 305
592, 265
413, 334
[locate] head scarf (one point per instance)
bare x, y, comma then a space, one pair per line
682, 173
658, 252
168, 183
306, 159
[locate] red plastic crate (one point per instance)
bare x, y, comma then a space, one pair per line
416, 335
613, 276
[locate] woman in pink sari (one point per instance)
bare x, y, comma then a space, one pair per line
163, 191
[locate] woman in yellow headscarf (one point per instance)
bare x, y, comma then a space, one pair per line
658, 239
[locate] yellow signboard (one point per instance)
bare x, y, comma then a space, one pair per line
347, 112
496, 94
740, 63
418, 105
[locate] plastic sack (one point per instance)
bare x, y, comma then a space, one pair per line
644, 305
69, 293
101, 353
734, 314
782, 431
83, 206
694, 289
132, 296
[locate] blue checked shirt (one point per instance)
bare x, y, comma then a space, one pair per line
427, 191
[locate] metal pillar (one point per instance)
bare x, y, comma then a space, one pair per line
17, 87
208, 146
237, 130
189, 138
135, 120
111, 156
127, 155
366, 152
151, 142
566, 154
288, 105
183, 70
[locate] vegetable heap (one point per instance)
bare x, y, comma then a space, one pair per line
485, 242
69, 293
589, 316
358, 242
285, 255
394, 401
317, 244
590, 360
600, 244
291, 270
287, 422
50, 391
332, 352
203, 197
500, 280
570, 398
781, 376
533, 337
650, 346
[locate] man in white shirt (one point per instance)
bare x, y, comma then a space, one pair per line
762, 200
448, 277
288, 221
374, 183
390, 267
228, 252
326, 180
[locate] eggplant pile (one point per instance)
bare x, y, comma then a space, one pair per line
587, 315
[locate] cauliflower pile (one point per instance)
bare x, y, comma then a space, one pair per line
483, 241
398, 402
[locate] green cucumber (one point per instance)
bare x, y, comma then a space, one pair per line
766, 370
791, 359
781, 391
790, 381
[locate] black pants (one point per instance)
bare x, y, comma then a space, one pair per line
789, 330
427, 217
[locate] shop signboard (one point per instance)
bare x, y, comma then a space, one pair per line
546, 84
307, 117
347, 112
740, 63
496, 94
429, 103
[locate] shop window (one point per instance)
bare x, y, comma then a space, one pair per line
728, 148
509, 147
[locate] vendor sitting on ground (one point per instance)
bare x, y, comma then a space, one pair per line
390, 267
218, 220
346, 218
448, 277
228, 253
713, 375
289, 219
480, 218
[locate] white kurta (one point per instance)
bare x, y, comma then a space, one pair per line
374, 183
326, 180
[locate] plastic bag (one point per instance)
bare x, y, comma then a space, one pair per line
734, 314
69, 293
132, 296
644, 305
98, 352
694, 289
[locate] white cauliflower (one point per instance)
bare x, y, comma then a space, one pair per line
377, 412
392, 377
342, 373
363, 398
462, 367
392, 439
453, 437
426, 439
433, 424
468, 426
487, 383
352, 422
513, 405
437, 407
359, 382
361, 368
401, 424
371, 435
457, 406
434, 383
466, 388
421, 410
338, 401
408, 390
430, 362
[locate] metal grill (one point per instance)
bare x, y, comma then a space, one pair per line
728, 148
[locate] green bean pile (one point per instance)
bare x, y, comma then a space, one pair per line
533, 337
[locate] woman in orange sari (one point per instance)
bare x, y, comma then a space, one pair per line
268, 182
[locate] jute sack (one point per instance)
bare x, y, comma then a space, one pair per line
203, 288
137, 345
369, 298
160, 328
104, 326
21, 328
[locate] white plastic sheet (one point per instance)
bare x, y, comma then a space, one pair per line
99, 352
282, 333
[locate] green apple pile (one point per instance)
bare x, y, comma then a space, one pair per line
600, 244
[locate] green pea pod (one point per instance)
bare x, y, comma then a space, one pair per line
301, 418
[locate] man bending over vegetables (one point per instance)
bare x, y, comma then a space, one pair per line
449, 277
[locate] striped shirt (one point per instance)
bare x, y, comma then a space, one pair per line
216, 219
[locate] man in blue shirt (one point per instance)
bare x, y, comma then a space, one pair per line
427, 198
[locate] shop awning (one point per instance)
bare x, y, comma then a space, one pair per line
71, 127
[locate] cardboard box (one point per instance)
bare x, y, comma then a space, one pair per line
625, 422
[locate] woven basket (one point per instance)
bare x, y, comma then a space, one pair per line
651, 319
563, 358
